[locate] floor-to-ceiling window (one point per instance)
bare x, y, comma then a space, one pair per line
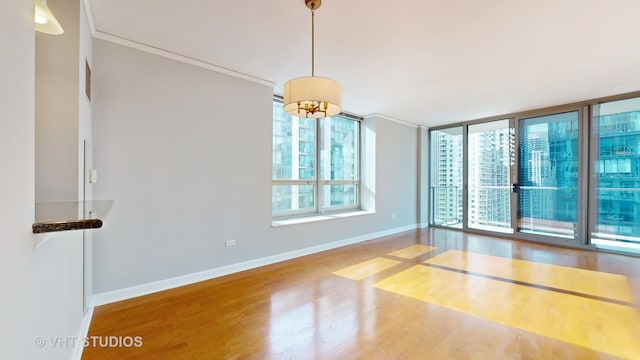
570, 174
446, 177
616, 175
548, 174
488, 176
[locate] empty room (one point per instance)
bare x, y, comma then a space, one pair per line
307, 179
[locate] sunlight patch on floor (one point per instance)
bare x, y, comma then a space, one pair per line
589, 282
599, 325
366, 268
412, 251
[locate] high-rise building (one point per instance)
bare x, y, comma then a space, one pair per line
295, 143
488, 179
618, 175
446, 177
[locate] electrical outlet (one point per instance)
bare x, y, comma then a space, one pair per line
93, 176
230, 243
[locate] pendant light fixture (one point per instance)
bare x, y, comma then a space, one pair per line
45, 21
312, 96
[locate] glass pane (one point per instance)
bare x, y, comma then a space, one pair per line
548, 175
489, 200
292, 197
339, 195
616, 135
294, 144
446, 177
338, 149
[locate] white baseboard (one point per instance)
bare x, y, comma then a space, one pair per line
161, 285
84, 331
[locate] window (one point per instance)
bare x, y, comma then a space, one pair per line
568, 174
615, 218
315, 164
446, 177
488, 176
548, 174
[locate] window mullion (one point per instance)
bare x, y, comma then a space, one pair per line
318, 191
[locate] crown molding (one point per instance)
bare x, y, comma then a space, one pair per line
389, 118
165, 53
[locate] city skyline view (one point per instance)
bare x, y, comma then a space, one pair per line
314, 160
547, 163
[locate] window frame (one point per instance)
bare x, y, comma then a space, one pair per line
586, 172
318, 182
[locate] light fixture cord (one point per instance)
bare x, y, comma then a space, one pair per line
313, 55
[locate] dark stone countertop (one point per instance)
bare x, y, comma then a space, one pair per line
70, 215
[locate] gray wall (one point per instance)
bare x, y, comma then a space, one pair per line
42, 288
185, 153
57, 108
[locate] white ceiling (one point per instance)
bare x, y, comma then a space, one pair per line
427, 62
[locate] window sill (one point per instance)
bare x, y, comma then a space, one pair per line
319, 217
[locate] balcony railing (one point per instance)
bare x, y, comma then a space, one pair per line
448, 198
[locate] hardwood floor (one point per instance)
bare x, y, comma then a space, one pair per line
431, 294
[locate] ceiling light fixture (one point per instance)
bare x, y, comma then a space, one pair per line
312, 96
45, 21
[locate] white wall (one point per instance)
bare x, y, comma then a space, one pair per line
41, 289
185, 153
85, 189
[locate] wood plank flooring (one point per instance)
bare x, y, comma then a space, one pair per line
425, 294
